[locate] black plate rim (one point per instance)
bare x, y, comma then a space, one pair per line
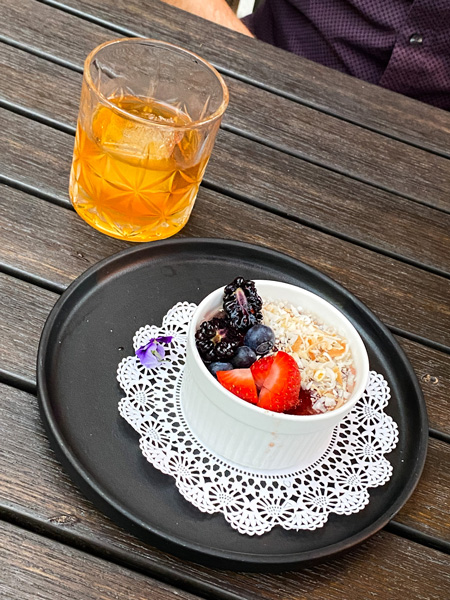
172, 544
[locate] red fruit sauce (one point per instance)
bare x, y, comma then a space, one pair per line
304, 406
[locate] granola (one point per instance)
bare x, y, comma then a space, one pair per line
322, 354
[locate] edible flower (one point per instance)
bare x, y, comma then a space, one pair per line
152, 354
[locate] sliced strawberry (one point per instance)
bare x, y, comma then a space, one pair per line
282, 385
239, 382
260, 369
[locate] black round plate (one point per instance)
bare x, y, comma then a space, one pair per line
90, 330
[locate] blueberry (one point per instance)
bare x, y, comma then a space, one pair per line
243, 358
260, 338
219, 366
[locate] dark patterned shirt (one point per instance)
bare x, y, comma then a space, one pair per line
402, 45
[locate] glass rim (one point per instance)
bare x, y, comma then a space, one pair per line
200, 122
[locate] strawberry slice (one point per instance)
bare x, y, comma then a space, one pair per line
260, 369
239, 382
282, 385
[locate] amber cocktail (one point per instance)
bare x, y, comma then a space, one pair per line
148, 119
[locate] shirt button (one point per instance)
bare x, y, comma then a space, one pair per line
416, 39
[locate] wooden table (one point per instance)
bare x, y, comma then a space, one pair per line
347, 177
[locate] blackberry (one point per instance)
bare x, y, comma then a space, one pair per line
217, 340
242, 304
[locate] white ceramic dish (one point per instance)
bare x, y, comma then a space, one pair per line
255, 437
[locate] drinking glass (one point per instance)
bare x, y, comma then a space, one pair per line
149, 115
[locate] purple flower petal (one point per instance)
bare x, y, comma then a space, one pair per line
160, 350
152, 354
164, 339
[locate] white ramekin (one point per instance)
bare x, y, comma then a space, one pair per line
254, 437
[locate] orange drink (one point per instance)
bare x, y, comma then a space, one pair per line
139, 159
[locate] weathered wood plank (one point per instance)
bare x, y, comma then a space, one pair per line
37, 567
433, 371
429, 503
21, 74
23, 311
34, 485
297, 78
28, 148
63, 246
278, 122
60, 259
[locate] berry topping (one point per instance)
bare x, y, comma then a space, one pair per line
239, 382
243, 358
260, 369
242, 303
217, 340
281, 386
260, 338
219, 366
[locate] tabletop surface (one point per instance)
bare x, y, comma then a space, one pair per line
346, 177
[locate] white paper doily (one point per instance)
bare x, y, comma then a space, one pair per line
253, 502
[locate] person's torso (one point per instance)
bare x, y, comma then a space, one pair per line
402, 45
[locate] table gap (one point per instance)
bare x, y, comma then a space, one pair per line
419, 339
415, 263
439, 435
18, 381
35, 116
40, 54
33, 191
418, 536
45, 284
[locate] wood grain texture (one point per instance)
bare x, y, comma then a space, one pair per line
337, 145
36, 567
429, 503
276, 121
60, 259
40, 157
34, 485
433, 371
19, 70
23, 311
303, 191
50, 155
299, 79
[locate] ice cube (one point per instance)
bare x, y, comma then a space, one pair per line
133, 139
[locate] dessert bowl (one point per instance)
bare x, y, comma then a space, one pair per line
246, 434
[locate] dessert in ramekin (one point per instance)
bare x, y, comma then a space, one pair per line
256, 437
